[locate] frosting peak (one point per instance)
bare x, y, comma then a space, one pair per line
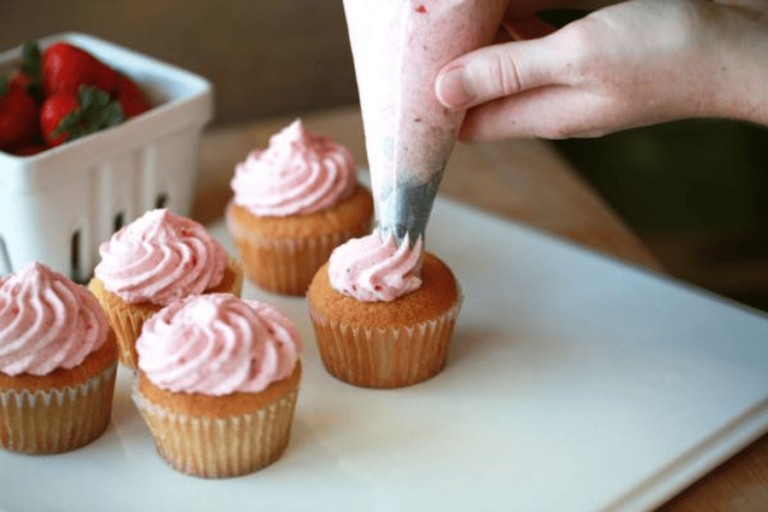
299, 173
161, 257
372, 269
217, 344
46, 322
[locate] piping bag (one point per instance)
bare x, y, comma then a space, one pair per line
398, 47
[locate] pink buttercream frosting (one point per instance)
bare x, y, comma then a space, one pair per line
372, 269
217, 344
161, 257
299, 173
46, 322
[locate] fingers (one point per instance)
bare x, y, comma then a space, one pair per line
554, 112
501, 70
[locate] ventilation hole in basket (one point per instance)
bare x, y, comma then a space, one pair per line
161, 201
5, 259
119, 221
75, 253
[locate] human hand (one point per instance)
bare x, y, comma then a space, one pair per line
636, 63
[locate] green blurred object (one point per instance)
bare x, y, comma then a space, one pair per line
687, 175
694, 192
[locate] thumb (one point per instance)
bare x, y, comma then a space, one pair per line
498, 71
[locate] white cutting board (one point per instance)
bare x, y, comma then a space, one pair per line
575, 383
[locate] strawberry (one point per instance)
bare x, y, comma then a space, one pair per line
131, 97
29, 150
21, 80
66, 68
65, 117
55, 109
18, 115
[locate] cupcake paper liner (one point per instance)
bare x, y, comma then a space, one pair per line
127, 323
56, 420
385, 357
220, 447
237, 286
287, 266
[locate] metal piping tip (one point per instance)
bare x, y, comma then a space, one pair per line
406, 212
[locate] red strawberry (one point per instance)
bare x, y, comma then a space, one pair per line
131, 97
66, 68
21, 80
29, 150
65, 117
18, 115
55, 110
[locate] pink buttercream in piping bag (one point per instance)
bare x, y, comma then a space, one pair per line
161, 257
46, 322
376, 269
217, 344
299, 173
399, 46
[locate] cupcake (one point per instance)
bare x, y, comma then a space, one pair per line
157, 259
293, 203
383, 315
217, 386
58, 358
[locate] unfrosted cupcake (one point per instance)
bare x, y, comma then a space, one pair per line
57, 363
383, 315
159, 258
293, 203
218, 381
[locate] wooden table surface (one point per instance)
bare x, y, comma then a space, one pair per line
525, 180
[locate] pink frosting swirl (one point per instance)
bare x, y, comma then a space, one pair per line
372, 269
299, 173
217, 344
46, 322
161, 257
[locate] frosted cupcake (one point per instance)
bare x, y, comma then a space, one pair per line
57, 363
383, 315
218, 380
157, 259
293, 203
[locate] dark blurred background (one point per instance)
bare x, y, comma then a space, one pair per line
692, 190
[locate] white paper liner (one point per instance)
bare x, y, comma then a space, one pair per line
237, 286
385, 357
127, 324
56, 420
219, 447
287, 266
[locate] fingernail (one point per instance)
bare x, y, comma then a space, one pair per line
454, 91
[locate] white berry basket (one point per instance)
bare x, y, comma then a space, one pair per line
57, 207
